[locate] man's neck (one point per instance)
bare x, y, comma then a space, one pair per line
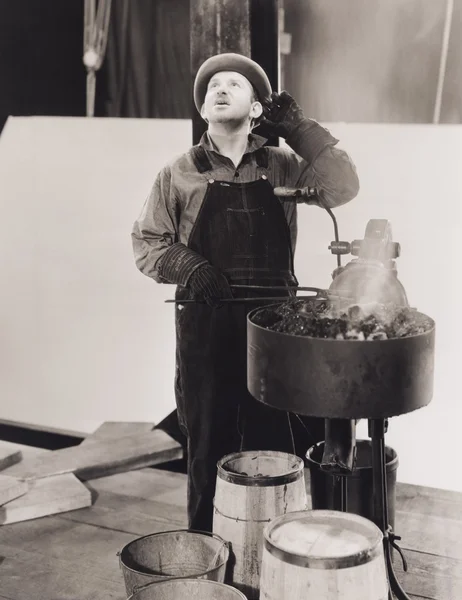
232, 144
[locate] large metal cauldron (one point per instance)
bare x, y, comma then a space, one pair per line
342, 379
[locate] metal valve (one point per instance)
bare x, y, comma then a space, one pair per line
376, 245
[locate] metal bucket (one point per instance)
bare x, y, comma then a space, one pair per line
173, 554
360, 498
187, 589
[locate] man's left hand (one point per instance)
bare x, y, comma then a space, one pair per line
281, 115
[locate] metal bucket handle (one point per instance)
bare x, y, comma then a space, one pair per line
224, 544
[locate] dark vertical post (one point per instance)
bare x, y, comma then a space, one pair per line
217, 26
264, 39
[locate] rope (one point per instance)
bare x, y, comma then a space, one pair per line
95, 36
443, 61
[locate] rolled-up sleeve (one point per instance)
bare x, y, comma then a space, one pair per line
156, 229
329, 169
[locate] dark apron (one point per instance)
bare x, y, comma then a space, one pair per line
241, 229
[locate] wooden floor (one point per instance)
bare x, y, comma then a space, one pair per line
73, 556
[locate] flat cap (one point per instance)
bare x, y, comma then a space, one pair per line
230, 62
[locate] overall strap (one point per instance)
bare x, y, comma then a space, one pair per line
200, 159
261, 156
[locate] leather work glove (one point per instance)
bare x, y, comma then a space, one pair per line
208, 283
185, 267
178, 263
281, 115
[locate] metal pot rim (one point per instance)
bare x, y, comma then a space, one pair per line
253, 312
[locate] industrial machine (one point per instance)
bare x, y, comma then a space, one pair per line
343, 380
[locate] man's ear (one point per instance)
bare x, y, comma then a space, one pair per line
256, 110
203, 113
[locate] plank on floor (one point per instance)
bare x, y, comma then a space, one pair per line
132, 515
26, 451
102, 458
47, 496
11, 488
117, 429
51, 548
29, 579
9, 455
430, 575
132, 502
143, 483
433, 535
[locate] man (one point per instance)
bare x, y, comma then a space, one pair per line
212, 222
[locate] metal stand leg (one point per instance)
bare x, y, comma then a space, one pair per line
377, 429
340, 493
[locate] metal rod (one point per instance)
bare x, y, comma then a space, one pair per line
340, 493
279, 287
379, 493
227, 300
377, 428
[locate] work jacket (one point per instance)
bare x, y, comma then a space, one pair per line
170, 210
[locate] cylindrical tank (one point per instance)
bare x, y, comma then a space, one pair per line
339, 379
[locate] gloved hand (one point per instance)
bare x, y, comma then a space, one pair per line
208, 283
179, 263
281, 115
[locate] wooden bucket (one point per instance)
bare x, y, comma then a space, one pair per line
253, 488
187, 589
325, 554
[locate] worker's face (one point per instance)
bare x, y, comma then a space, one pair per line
230, 97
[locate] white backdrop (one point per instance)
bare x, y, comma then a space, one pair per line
85, 337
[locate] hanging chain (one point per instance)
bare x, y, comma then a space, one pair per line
95, 35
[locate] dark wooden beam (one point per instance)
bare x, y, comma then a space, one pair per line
27, 434
248, 27
217, 26
264, 38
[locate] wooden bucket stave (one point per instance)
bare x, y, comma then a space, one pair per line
252, 489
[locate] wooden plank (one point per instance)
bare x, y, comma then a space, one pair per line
26, 578
47, 496
89, 548
430, 575
102, 458
134, 502
52, 548
131, 515
117, 429
8, 455
431, 534
429, 501
25, 451
144, 483
11, 488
